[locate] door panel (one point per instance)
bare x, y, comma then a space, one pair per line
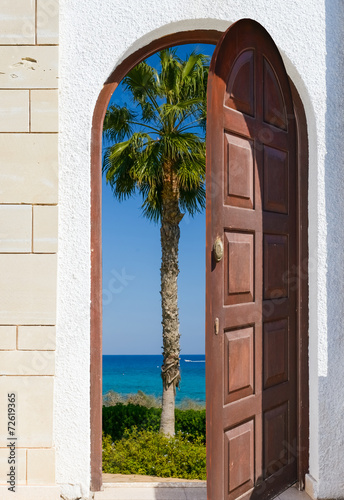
251, 206
240, 90
239, 267
239, 466
239, 364
239, 180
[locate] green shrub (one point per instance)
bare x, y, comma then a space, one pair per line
118, 418
151, 453
191, 423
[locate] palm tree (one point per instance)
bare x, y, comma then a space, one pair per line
159, 152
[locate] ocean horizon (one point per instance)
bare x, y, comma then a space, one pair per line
127, 374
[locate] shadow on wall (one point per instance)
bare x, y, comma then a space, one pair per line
331, 377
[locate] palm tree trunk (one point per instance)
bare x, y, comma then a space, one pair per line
170, 370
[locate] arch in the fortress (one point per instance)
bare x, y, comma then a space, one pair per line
195, 36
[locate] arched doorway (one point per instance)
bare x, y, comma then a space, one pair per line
202, 36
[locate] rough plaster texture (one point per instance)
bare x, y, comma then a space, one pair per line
94, 38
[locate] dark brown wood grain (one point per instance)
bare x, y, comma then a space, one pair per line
251, 131
302, 281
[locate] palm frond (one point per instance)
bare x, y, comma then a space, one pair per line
141, 86
163, 124
192, 201
118, 122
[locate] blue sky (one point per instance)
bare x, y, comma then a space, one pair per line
131, 270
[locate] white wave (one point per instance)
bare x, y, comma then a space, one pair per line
194, 360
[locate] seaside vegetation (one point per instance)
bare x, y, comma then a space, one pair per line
158, 150
111, 398
151, 453
120, 417
132, 443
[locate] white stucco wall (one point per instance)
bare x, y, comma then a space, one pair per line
94, 38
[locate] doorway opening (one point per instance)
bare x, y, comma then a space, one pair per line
132, 257
198, 36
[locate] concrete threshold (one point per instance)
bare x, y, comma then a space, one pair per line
181, 490
171, 490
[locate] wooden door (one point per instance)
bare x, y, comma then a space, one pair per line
250, 292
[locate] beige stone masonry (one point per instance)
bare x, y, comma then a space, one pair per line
14, 111
27, 362
45, 223
28, 240
15, 228
8, 337
28, 289
28, 168
20, 466
36, 338
47, 21
31, 493
28, 67
34, 411
44, 116
17, 22
41, 466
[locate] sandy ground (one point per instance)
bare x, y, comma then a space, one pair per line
135, 478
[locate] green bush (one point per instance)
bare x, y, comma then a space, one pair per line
191, 423
118, 418
151, 453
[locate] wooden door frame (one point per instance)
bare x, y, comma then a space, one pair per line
183, 37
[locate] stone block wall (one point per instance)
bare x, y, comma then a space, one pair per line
28, 240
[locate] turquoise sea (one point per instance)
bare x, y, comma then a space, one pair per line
129, 374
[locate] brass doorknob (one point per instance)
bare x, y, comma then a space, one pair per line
218, 249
